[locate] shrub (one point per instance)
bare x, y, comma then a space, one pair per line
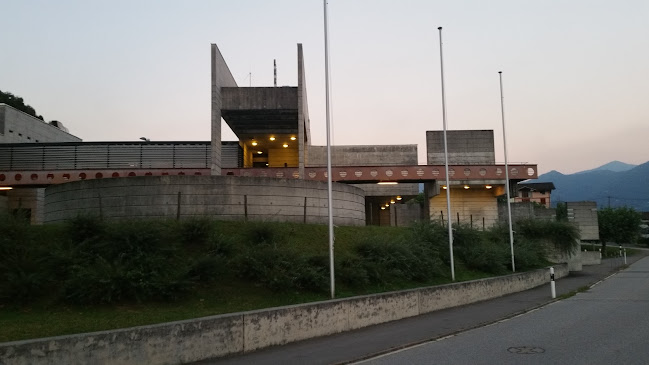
281, 269
477, 252
196, 231
563, 235
130, 262
22, 278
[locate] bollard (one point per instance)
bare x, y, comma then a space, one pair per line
600, 253
620, 250
552, 287
625, 256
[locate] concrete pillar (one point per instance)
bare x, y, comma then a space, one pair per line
221, 77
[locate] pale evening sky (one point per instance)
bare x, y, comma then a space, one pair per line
576, 72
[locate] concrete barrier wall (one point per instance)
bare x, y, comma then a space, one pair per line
221, 197
216, 336
590, 258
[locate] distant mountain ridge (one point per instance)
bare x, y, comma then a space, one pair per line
615, 183
615, 166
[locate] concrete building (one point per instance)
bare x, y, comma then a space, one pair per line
19, 127
273, 131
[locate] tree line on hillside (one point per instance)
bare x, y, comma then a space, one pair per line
18, 103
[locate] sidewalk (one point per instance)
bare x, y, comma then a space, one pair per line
366, 342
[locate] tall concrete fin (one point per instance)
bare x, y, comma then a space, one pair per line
221, 77
304, 134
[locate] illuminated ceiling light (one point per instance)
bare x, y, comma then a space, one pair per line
444, 187
392, 201
466, 187
259, 152
387, 205
266, 164
6, 188
272, 138
382, 208
285, 145
254, 143
488, 186
387, 183
399, 197
293, 138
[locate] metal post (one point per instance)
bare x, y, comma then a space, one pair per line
448, 186
552, 287
625, 256
509, 207
329, 182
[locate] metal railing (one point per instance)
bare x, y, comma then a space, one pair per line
104, 155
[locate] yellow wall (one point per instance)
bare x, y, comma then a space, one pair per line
278, 157
474, 202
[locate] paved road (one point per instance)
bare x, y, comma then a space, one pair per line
365, 342
608, 324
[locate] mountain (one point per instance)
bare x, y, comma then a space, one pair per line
615, 166
606, 187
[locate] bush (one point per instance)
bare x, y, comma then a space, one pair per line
479, 253
22, 278
282, 269
563, 235
130, 262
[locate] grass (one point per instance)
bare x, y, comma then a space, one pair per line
573, 293
49, 315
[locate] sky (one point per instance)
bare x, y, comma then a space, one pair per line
575, 72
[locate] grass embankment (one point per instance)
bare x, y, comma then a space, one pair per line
88, 275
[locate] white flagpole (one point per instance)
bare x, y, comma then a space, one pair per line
509, 205
329, 182
448, 186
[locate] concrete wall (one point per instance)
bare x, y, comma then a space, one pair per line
19, 127
31, 199
389, 155
221, 197
217, 336
471, 204
403, 215
471, 147
526, 210
259, 98
590, 258
220, 77
584, 215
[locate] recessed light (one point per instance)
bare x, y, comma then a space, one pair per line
259, 152
466, 187
444, 187
293, 138
488, 186
399, 198
285, 145
254, 143
272, 138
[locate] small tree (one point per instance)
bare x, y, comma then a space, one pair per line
620, 225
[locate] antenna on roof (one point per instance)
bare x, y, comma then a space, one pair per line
275, 71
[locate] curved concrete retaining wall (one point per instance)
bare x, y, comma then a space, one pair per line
221, 197
216, 336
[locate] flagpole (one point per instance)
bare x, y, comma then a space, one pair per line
509, 205
448, 186
329, 182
